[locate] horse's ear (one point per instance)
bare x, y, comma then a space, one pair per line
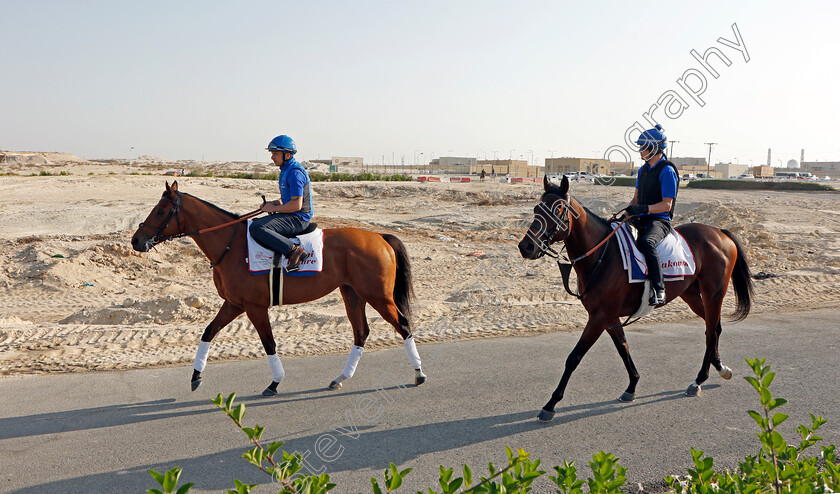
167, 186
546, 183
175, 186
564, 186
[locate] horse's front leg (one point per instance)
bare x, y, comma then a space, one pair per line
226, 314
617, 334
593, 330
258, 314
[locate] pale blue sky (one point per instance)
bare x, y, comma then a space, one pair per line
218, 80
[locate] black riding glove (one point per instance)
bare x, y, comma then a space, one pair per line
636, 209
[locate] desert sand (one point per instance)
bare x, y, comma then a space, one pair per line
74, 296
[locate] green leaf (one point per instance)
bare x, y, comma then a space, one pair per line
218, 400
185, 488
238, 413
375, 486
170, 480
229, 402
396, 478
777, 403
467, 475
778, 418
157, 476
768, 379
154, 491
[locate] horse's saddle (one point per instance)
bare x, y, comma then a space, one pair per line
674, 254
261, 259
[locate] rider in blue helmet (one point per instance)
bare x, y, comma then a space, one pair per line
291, 214
653, 203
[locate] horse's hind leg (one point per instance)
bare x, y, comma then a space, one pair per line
226, 314
617, 334
709, 308
355, 306
388, 310
258, 314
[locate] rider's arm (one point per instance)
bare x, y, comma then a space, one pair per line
294, 205
661, 207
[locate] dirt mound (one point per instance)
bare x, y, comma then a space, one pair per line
162, 310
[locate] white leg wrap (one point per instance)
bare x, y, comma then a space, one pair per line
352, 362
411, 351
201, 356
277, 371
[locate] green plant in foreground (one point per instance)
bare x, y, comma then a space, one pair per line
168, 481
777, 467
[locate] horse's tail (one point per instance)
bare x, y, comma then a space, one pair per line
403, 285
741, 280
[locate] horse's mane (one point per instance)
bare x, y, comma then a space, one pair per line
217, 208
554, 190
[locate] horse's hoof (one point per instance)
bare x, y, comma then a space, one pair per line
271, 390
693, 390
627, 397
725, 372
195, 384
545, 415
335, 385
418, 380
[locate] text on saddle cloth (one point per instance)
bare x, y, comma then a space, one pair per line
674, 254
261, 259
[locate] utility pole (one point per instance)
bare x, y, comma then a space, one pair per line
672, 149
709, 164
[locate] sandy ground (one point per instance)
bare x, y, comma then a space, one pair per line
74, 296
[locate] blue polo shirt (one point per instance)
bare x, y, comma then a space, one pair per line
294, 182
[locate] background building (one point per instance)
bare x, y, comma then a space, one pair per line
516, 168
730, 170
554, 166
453, 164
822, 168
342, 161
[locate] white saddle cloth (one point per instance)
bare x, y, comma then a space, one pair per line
674, 254
260, 259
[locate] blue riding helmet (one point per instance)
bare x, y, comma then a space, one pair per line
653, 138
282, 143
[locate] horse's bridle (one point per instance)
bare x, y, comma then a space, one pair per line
175, 211
564, 219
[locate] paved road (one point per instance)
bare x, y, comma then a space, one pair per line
100, 432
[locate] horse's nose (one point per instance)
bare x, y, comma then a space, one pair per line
527, 248
137, 244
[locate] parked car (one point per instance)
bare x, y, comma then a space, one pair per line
688, 176
746, 176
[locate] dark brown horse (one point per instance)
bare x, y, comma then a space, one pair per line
607, 295
367, 267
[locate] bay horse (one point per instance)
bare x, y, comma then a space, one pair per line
607, 295
367, 267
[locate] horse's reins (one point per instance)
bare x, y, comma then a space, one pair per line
175, 211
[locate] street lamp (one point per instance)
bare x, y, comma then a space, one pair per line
130, 153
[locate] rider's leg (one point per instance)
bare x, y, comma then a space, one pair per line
651, 233
273, 231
